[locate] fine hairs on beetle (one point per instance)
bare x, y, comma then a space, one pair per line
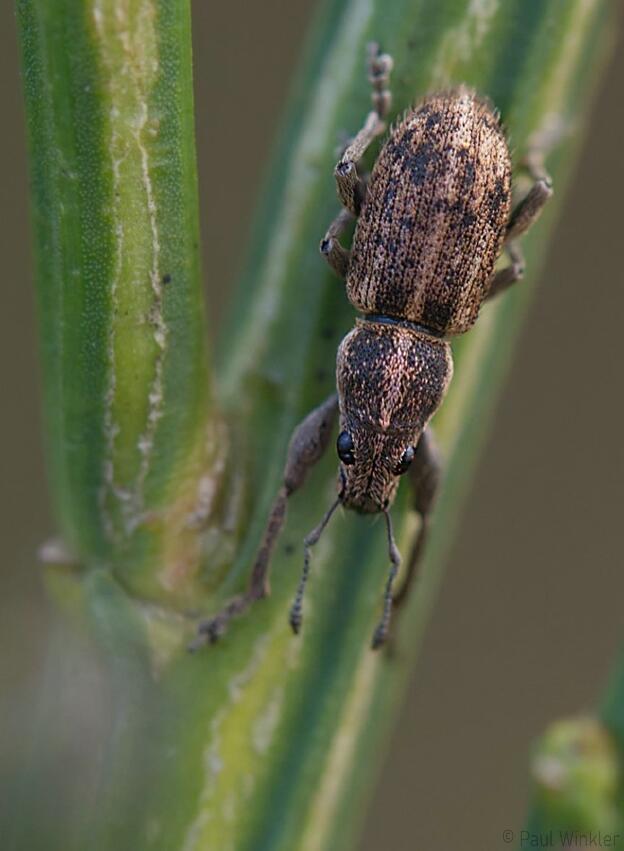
432, 217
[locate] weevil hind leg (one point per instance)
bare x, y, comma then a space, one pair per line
307, 446
424, 475
350, 186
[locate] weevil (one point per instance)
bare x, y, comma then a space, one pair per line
432, 219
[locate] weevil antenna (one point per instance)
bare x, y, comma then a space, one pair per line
381, 632
296, 615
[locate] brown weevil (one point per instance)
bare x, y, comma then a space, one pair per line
432, 219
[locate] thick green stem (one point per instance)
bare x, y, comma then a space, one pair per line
266, 741
110, 118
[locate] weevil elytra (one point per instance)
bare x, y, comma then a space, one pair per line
432, 219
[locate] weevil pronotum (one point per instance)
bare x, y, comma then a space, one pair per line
432, 219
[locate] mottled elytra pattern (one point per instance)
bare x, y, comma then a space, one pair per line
433, 220
390, 380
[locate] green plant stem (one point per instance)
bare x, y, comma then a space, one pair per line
268, 742
126, 386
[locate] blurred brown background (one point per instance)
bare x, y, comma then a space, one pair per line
530, 615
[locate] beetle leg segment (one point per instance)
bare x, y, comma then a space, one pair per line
424, 474
307, 445
379, 69
504, 278
336, 255
526, 212
529, 209
351, 188
542, 142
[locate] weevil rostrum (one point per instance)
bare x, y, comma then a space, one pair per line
433, 217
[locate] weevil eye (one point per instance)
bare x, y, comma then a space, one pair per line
406, 460
344, 447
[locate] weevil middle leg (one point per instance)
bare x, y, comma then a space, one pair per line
307, 446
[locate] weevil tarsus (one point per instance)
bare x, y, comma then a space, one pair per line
379, 67
307, 446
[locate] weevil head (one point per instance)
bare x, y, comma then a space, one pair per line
390, 381
370, 469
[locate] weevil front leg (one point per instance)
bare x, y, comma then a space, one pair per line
307, 445
349, 184
424, 475
523, 216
